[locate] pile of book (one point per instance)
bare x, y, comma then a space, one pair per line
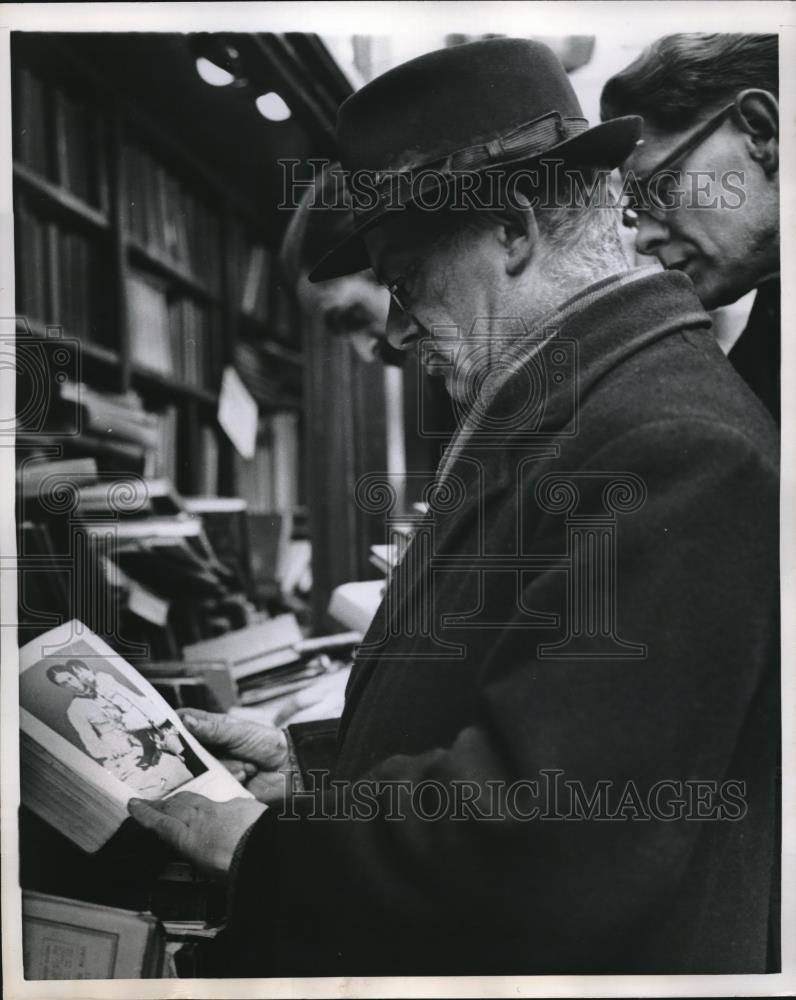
114, 429
157, 573
125, 555
271, 660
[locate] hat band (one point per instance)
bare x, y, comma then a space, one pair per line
523, 141
385, 187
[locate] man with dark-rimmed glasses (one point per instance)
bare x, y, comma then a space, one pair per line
704, 184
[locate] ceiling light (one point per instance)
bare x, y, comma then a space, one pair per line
272, 107
213, 74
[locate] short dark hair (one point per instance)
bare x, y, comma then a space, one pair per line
679, 77
58, 668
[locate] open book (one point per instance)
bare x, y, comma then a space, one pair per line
95, 734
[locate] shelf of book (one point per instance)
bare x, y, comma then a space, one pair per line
59, 198
146, 379
94, 352
131, 246
147, 258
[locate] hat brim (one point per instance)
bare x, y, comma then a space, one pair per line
606, 145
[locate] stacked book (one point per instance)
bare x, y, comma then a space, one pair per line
121, 415
113, 428
271, 660
124, 553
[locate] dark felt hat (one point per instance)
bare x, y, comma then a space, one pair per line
466, 109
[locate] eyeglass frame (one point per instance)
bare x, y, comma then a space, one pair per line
396, 286
681, 150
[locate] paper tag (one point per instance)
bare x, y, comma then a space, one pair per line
146, 605
237, 413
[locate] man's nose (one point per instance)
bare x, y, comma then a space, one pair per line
651, 235
402, 330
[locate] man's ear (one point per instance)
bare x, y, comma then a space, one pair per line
758, 117
519, 234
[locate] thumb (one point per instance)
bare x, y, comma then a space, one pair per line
151, 818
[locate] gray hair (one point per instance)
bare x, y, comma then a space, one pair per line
578, 219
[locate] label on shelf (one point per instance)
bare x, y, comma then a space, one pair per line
237, 413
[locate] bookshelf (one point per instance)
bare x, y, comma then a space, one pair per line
133, 248
146, 265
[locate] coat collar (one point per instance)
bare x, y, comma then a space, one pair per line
604, 324
569, 350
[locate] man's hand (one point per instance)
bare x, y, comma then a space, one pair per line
255, 754
205, 832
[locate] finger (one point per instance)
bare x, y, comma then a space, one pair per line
211, 728
270, 787
265, 746
152, 818
241, 770
289, 709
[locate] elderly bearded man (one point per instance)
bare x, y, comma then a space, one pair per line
559, 744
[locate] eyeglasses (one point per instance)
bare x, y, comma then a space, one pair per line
630, 214
397, 292
398, 286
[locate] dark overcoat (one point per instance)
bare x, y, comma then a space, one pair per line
756, 353
592, 609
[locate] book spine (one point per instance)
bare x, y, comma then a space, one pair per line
32, 133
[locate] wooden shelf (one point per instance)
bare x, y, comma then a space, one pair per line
81, 443
156, 380
158, 247
60, 198
167, 268
96, 352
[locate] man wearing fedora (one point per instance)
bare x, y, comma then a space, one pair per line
559, 743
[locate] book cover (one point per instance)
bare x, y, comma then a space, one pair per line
70, 939
252, 650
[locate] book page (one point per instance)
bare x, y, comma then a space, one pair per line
97, 715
